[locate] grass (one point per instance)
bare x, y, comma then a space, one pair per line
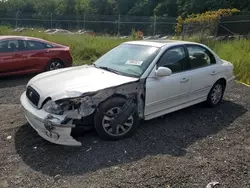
86, 49
237, 52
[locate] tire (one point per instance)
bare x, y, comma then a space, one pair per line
216, 94
100, 120
54, 64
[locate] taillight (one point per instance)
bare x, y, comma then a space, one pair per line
68, 52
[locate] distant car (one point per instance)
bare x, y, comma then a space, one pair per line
22, 55
86, 32
59, 31
50, 30
135, 80
22, 29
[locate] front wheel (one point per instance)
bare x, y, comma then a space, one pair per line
216, 94
103, 118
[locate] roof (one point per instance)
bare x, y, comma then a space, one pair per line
159, 43
19, 37
28, 38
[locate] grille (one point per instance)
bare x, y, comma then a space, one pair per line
32, 95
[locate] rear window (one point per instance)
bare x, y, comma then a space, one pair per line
48, 45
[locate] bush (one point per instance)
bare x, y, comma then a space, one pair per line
134, 33
211, 17
4, 30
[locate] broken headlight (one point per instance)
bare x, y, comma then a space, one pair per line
84, 106
57, 107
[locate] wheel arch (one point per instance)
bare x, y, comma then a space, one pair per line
219, 80
115, 95
56, 59
223, 81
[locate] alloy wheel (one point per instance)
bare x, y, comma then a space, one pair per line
216, 93
121, 129
55, 65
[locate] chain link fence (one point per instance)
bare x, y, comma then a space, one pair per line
110, 24
228, 28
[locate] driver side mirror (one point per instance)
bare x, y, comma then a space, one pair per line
163, 71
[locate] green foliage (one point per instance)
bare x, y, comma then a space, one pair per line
206, 17
86, 49
4, 30
65, 8
167, 8
237, 52
134, 33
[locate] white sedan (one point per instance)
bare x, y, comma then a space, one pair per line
135, 80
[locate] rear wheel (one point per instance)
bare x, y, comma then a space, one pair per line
55, 64
216, 94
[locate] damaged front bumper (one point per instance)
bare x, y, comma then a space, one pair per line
49, 127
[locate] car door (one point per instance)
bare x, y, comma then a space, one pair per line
203, 71
38, 54
11, 58
165, 94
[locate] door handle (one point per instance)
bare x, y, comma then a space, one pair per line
184, 80
213, 73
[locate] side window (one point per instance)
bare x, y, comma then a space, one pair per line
199, 56
9, 46
33, 45
174, 59
48, 46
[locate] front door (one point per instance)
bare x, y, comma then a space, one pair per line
164, 94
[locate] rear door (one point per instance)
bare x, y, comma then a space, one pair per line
203, 71
11, 57
38, 54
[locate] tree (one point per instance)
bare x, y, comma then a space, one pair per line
167, 8
124, 6
74, 8
83, 6
143, 8
103, 7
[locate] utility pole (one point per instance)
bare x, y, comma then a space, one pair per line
119, 20
154, 24
17, 14
51, 21
84, 21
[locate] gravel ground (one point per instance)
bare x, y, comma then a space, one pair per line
188, 148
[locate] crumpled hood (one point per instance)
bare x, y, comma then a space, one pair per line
75, 81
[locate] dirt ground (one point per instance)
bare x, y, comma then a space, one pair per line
188, 148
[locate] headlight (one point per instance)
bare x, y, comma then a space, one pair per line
56, 107
84, 105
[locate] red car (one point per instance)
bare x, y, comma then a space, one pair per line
23, 55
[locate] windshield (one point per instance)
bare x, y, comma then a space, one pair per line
128, 59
